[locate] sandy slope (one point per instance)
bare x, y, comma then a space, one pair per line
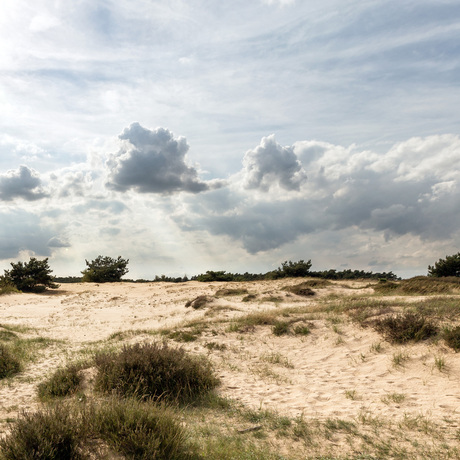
340, 370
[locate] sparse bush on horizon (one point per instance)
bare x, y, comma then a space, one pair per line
105, 270
450, 266
32, 276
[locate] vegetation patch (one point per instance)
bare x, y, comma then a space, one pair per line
302, 289
231, 292
9, 363
199, 302
63, 382
113, 428
154, 371
405, 327
452, 338
281, 328
420, 285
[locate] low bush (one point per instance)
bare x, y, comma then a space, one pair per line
9, 364
114, 429
452, 338
154, 371
280, 328
199, 302
302, 289
64, 382
405, 327
52, 433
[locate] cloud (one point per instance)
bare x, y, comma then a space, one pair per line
23, 231
56, 242
391, 194
22, 183
152, 161
271, 164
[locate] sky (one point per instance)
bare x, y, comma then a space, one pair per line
195, 135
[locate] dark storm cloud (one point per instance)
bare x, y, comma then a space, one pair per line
271, 164
57, 242
152, 161
21, 183
22, 231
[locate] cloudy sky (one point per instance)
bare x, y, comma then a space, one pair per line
194, 135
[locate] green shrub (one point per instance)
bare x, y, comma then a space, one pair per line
450, 266
64, 382
405, 327
52, 433
105, 270
280, 328
32, 276
141, 431
154, 371
9, 364
452, 338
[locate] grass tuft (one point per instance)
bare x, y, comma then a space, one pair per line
9, 364
64, 382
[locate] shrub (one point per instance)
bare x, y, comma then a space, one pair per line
302, 289
32, 276
405, 327
64, 382
199, 302
154, 371
9, 364
51, 433
141, 431
281, 328
450, 266
452, 338
105, 270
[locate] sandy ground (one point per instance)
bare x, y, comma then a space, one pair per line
339, 370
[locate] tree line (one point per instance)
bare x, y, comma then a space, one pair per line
35, 275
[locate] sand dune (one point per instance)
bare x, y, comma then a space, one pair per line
339, 370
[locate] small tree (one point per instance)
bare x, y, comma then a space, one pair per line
105, 270
450, 266
32, 276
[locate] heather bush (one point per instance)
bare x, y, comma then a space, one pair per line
154, 371
49, 434
9, 364
405, 327
64, 382
452, 338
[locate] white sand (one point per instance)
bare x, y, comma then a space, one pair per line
337, 371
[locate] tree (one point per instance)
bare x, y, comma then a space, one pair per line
450, 266
294, 269
32, 276
105, 270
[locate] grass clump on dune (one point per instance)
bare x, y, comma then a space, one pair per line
420, 285
64, 382
154, 371
112, 429
9, 364
406, 327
